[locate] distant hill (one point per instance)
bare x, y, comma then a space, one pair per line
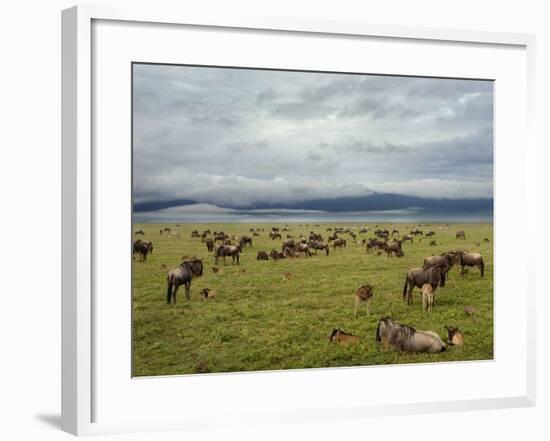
371, 202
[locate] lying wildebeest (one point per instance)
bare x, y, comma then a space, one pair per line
428, 294
460, 235
289, 243
228, 250
343, 338
245, 240
319, 246
275, 255
140, 232
339, 243
471, 259
435, 276
430, 233
362, 294
182, 275
209, 244
406, 338
142, 247
456, 338
262, 255
274, 235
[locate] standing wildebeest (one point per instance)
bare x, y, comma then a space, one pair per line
417, 277
343, 338
395, 248
315, 237
428, 294
376, 244
262, 255
406, 338
209, 244
430, 233
460, 235
407, 237
274, 235
417, 232
456, 337
446, 260
303, 248
471, 259
319, 246
244, 241
140, 232
182, 275
228, 250
362, 294
289, 243
142, 247
339, 243
220, 236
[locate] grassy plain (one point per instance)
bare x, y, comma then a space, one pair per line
260, 321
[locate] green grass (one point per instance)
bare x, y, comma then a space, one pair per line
259, 321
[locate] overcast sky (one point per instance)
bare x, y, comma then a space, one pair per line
239, 136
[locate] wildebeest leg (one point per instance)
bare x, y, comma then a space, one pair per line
187, 290
461, 270
176, 287
410, 294
169, 293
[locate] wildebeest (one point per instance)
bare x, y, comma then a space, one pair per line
447, 260
339, 243
430, 233
435, 276
195, 233
433, 243
460, 235
471, 259
228, 250
416, 232
142, 247
428, 294
262, 255
332, 237
456, 338
182, 275
376, 244
209, 244
362, 294
407, 237
319, 246
406, 338
274, 235
140, 232
220, 236
275, 255
394, 231
343, 338
245, 240
315, 237
303, 248
395, 248
289, 243
486, 240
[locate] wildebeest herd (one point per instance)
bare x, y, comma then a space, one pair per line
229, 254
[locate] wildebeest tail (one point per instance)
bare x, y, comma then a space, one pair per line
169, 293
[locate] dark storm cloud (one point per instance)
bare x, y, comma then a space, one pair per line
243, 136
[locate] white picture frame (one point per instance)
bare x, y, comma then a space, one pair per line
80, 232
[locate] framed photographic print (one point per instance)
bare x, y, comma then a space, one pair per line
264, 216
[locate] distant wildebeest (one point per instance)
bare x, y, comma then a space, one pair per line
209, 244
142, 247
255, 233
303, 248
378, 244
245, 240
276, 255
228, 250
319, 246
339, 243
140, 232
430, 233
289, 243
262, 255
416, 232
343, 338
220, 236
362, 294
274, 235
290, 252
471, 259
486, 240
394, 231
428, 294
433, 243
332, 237
363, 230
416, 277
275, 229
195, 233
460, 235
182, 275
395, 248
407, 237
405, 338
456, 338
315, 237
208, 293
